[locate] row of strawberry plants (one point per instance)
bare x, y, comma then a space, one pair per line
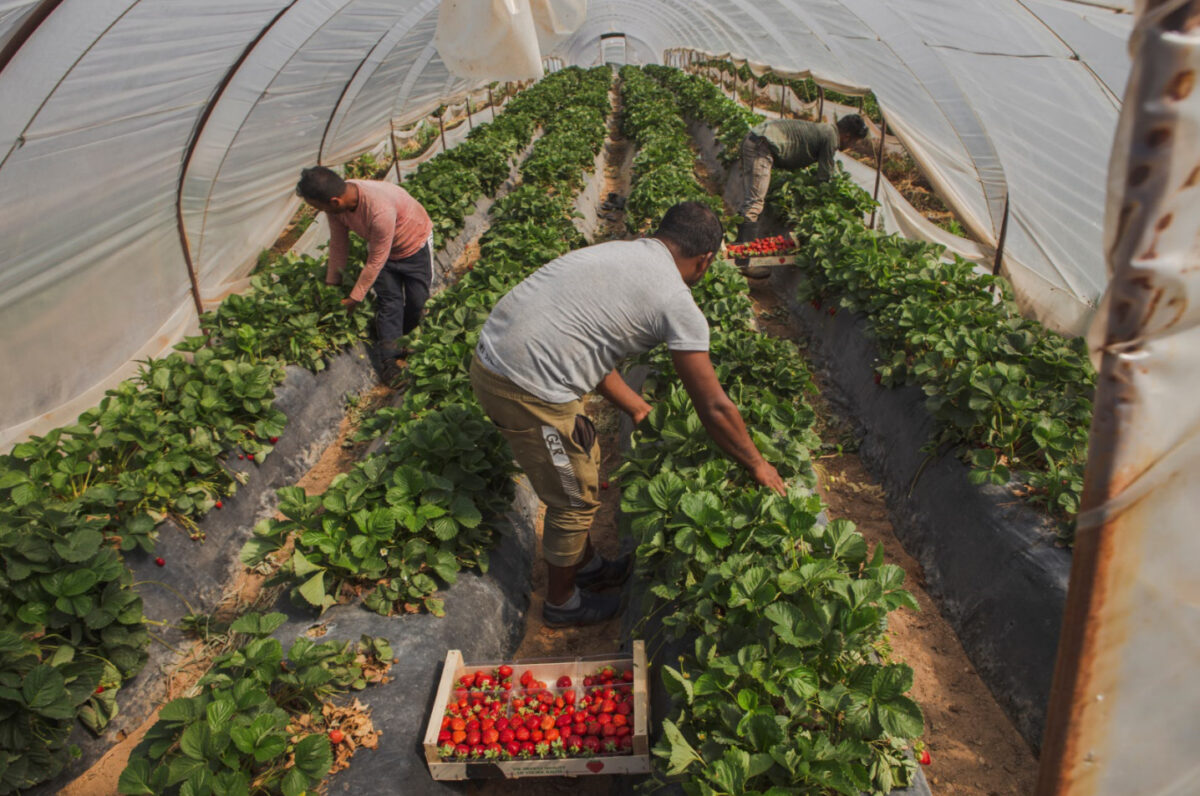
257, 722
157, 446
664, 166
406, 520
782, 690
701, 100
1014, 397
806, 88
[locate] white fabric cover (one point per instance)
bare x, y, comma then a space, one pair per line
503, 39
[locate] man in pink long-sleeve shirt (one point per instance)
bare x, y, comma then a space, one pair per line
399, 238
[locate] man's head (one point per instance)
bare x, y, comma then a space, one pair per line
693, 233
851, 128
324, 190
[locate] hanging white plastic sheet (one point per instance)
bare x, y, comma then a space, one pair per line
485, 40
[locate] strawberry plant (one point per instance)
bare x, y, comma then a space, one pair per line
403, 522
699, 99
159, 446
782, 690
1014, 397
239, 733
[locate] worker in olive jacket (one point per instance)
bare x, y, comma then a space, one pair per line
791, 144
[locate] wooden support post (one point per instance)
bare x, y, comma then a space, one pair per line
492, 103
442, 128
1000, 243
395, 152
783, 103
820, 103
878, 170
470, 121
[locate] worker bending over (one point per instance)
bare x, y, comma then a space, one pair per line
790, 144
559, 335
399, 238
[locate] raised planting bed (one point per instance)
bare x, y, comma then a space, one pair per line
990, 560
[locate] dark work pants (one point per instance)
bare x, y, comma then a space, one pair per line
401, 290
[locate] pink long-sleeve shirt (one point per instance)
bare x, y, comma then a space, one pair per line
392, 222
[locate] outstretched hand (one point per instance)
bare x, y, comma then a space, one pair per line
767, 476
350, 304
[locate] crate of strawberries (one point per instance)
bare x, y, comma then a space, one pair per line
550, 717
779, 250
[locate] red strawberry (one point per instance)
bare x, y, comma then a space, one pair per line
513, 748
274, 440
219, 504
878, 378
505, 671
526, 678
99, 689
473, 738
444, 737
924, 758
568, 697
625, 743
241, 456
563, 682
591, 743
604, 485
336, 736
624, 709
160, 562
507, 736
250, 456
522, 734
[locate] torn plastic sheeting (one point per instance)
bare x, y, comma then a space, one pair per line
991, 561
1125, 707
197, 575
485, 618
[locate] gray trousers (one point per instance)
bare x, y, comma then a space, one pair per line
756, 175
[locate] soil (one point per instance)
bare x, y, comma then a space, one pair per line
902, 172
617, 180
975, 748
244, 594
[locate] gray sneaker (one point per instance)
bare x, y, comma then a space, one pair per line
611, 573
593, 609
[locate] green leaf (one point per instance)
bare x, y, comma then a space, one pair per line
900, 717
682, 755
135, 779
677, 684
259, 624
313, 590
313, 756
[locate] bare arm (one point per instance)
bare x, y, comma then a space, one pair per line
721, 418
339, 245
622, 396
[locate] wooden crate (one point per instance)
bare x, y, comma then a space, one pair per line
548, 670
773, 259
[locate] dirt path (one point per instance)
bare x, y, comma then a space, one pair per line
976, 750
541, 641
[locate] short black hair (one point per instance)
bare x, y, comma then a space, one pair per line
320, 184
853, 126
693, 227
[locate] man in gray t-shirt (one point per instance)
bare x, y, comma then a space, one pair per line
559, 335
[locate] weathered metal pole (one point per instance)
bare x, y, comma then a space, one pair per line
1000, 242
878, 171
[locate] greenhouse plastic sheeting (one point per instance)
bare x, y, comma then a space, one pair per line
142, 135
103, 103
995, 100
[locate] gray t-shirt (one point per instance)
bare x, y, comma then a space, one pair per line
560, 332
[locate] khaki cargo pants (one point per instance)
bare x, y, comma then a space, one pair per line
756, 175
556, 446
